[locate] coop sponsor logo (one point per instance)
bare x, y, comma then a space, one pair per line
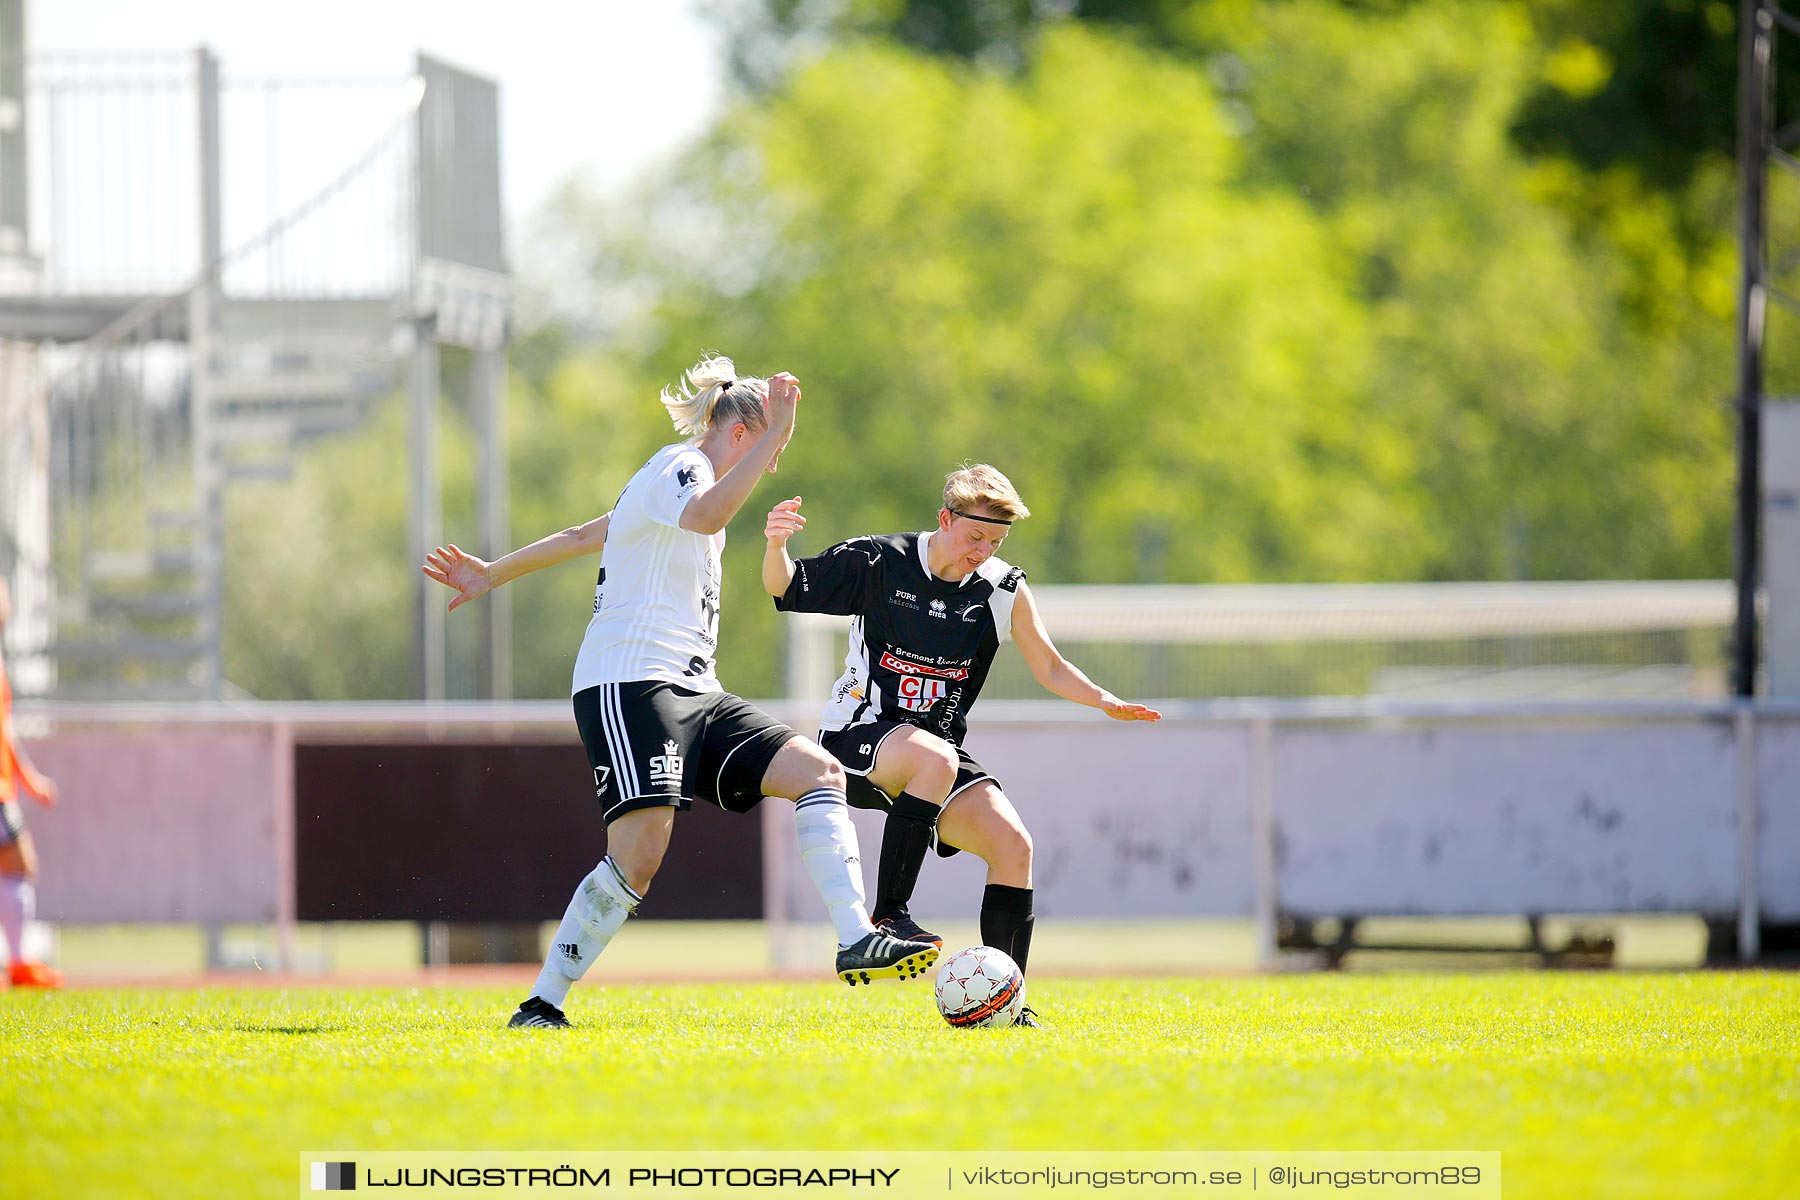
922, 660
889, 662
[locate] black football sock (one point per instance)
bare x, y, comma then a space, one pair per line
1006, 921
911, 825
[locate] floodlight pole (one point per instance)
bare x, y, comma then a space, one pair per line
1756, 29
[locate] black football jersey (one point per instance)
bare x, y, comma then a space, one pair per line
920, 646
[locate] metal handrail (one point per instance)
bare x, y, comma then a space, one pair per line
147, 310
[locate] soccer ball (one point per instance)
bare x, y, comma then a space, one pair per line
980, 986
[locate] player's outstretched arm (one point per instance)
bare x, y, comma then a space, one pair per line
712, 509
471, 577
778, 568
1057, 673
32, 781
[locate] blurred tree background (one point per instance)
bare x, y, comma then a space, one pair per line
1285, 290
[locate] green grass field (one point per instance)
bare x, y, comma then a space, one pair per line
1590, 1084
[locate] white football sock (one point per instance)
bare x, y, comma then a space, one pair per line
18, 902
828, 848
599, 907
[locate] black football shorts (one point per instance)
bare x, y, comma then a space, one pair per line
655, 745
856, 747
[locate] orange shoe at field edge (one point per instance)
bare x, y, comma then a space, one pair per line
31, 974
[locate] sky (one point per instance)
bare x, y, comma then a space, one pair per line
603, 88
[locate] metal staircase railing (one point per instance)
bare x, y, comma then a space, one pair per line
148, 423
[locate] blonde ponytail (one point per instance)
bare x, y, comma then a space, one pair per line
711, 393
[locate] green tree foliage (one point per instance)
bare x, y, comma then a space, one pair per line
318, 586
1358, 338
1647, 83
1562, 394
1295, 308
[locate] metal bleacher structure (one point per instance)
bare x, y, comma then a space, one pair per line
201, 275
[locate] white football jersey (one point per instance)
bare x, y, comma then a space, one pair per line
656, 602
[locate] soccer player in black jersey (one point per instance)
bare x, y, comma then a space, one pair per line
659, 728
931, 610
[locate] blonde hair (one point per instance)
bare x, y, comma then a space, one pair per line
711, 393
977, 486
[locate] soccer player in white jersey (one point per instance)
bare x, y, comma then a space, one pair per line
932, 609
659, 729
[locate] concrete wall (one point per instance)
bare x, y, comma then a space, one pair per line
1506, 819
1439, 815
1778, 831
1421, 817
159, 825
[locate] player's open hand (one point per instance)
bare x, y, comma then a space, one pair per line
1121, 710
784, 399
468, 575
43, 788
784, 522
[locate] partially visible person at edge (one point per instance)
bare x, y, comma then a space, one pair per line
658, 727
18, 855
931, 610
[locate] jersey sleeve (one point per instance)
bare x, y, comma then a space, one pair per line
1007, 579
681, 479
833, 582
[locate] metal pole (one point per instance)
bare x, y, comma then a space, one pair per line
1749, 896
426, 511
209, 566
777, 836
495, 662
1262, 823
15, 190
1753, 139
287, 874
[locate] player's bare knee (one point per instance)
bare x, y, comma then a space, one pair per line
639, 864
831, 773
825, 771
1012, 850
637, 842
934, 769
803, 766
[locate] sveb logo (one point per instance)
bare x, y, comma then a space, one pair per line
665, 768
333, 1177
601, 775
